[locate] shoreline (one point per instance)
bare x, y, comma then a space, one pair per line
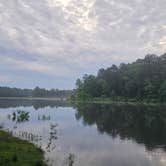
88, 101
36, 98
118, 102
18, 152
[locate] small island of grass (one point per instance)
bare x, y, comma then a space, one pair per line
16, 152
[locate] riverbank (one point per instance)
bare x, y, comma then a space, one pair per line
35, 98
119, 101
16, 152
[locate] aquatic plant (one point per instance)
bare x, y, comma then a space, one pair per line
19, 116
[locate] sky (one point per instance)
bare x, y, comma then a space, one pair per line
51, 43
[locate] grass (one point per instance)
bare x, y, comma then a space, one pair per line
16, 152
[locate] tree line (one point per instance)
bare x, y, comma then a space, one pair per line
144, 79
36, 92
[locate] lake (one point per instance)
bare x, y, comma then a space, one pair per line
89, 134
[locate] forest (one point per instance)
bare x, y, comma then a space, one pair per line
36, 92
144, 79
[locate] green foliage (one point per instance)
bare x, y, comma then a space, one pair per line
163, 91
16, 152
36, 92
14, 92
144, 79
20, 116
41, 92
149, 89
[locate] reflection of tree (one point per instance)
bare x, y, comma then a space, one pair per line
7, 103
52, 137
144, 124
70, 160
44, 117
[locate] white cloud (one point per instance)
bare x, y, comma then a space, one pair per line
162, 43
45, 68
71, 36
5, 79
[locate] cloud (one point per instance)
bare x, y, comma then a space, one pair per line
5, 79
74, 37
44, 68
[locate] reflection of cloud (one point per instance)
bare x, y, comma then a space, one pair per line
95, 150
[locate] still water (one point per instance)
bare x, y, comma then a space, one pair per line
89, 135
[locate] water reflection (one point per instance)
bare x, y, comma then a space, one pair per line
52, 138
70, 160
51, 135
143, 124
44, 118
29, 136
91, 134
37, 104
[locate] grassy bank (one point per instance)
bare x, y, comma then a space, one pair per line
16, 152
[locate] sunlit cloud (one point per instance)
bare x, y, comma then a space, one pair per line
162, 43
79, 12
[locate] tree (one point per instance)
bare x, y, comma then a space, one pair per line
162, 91
142, 79
149, 90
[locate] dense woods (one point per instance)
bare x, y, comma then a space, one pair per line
144, 79
36, 92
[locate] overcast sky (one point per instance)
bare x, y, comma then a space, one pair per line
50, 43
